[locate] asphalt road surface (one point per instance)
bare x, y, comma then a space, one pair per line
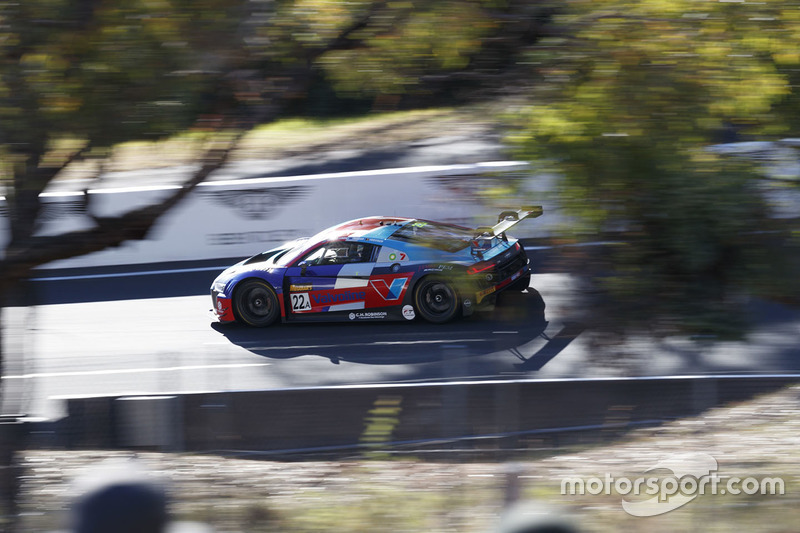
144, 334
152, 333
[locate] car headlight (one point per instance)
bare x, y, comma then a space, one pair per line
218, 286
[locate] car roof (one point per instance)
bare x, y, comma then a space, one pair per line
367, 229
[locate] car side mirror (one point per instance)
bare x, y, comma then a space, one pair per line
303, 267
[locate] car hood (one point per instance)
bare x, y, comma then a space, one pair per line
221, 281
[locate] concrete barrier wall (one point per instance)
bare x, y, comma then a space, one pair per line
291, 421
239, 218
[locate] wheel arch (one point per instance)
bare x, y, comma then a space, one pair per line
248, 277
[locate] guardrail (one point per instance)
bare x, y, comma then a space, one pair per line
493, 414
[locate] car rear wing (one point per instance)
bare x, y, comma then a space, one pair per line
508, 219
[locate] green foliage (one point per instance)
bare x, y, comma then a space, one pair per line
408, 45
367, 48
630, 94
98, 73
107, 72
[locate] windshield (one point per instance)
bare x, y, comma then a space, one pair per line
292, 251
447, 237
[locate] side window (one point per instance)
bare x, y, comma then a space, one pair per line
314, 257
359, 252
340, 253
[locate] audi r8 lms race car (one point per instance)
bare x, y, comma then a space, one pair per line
377, 268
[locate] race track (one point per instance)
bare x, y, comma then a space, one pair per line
151, 333
106, 343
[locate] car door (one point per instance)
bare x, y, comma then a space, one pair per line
331, 278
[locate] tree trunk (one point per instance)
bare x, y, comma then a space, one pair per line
27, 251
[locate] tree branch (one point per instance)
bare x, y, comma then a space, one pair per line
110, 231
343, 40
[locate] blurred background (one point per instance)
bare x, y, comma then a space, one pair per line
148, 144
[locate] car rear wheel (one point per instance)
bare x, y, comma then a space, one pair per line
436, 300
255, 303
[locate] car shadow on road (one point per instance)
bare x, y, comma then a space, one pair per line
516, 320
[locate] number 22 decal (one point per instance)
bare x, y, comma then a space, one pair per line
301, 301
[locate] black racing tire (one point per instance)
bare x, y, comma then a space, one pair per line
255, 303
436, 300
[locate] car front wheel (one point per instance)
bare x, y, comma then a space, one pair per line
255, 303
436, 300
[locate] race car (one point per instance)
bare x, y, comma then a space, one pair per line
377, 268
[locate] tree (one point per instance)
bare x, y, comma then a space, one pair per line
628, 97
79, 76
75, 79
442, 50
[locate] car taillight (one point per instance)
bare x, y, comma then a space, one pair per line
480, 267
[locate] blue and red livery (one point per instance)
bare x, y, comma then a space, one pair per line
376, 268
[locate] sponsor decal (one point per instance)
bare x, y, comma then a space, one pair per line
467, 303
482, 244
389, 292
368, 315
342, 297
219, 306
248, 237
438, 268
256, 204
408, 312
486, 292
392, 257
300, 288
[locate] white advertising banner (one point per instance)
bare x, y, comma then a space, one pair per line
238, 218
